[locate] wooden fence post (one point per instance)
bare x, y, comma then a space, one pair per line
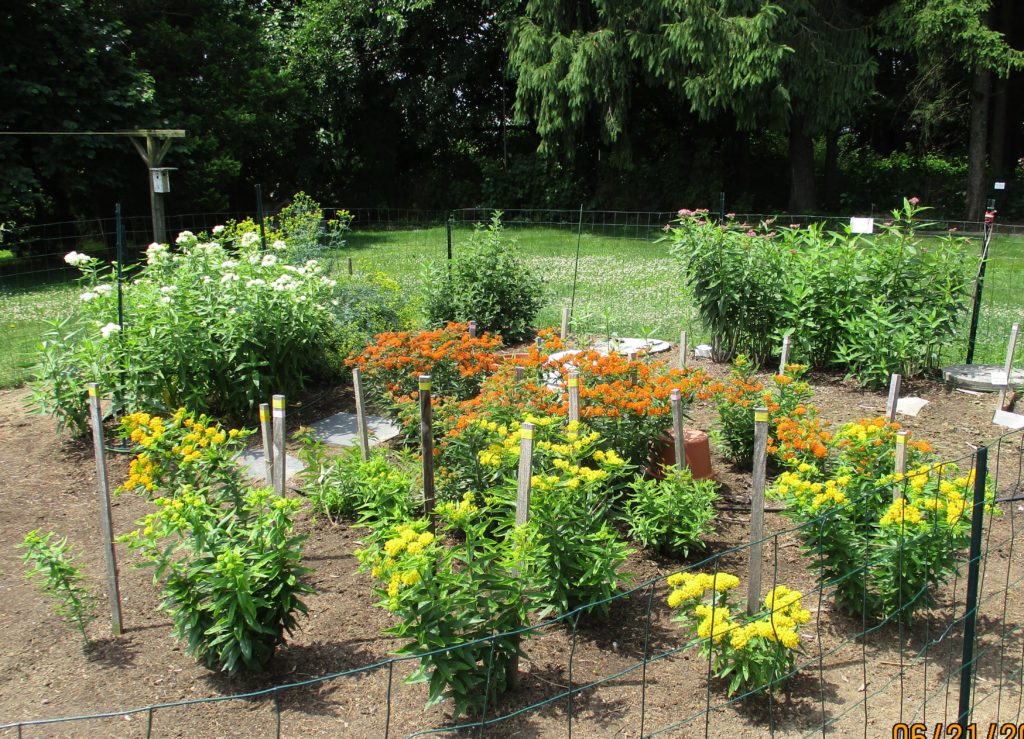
1008, 367
573, 383
784, 359
427, 450
901, 464
676, 398
525, 475
361, 430
277, 404
268, 445
350, 266
894, 398
683, 342
565, 323
520, 373
757, 509
106, 524
472, 329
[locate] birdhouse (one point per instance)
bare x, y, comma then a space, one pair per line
161, 178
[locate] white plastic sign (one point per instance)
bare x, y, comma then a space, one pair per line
1000, 379
862, 225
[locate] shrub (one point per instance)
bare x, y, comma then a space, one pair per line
871, 305
225, 553
486, 282
672, 515
750, 651
51, 561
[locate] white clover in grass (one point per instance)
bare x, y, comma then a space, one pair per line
104, 289
77, 259
185, 237
250, 238
87, 296
279, 245
269, 260
216, 229
110, 329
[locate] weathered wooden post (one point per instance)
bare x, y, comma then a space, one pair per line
1011, 347
266, 434
106, 524
565, 323
901, 464
361, 429
277, 405
683, 342
427, 450
525, 475
573, 384
757, 508
472, 329
894, 398
676, 398
784, 359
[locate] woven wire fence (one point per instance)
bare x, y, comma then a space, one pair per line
961, 658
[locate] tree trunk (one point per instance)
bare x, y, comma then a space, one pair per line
831, 187
803, 197
978, 144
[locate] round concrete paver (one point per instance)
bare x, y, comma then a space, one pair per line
979, 376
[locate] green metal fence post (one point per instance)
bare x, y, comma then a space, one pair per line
979, 285
973, 568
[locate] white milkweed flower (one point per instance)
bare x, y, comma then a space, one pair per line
166, 300
216, 229
311, 264
229, 277
250, 238
279, 245
156, 253
228, 264
184, 237
206, 279
166, 289
77, 259
110, 328
329, 282
255, 283
87, 296
104, 289
269, 260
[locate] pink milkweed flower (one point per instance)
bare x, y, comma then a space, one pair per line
914, 201
751, 232
730, 216
683, 212
794, 225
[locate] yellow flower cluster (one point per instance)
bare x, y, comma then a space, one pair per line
785, 614
918, 477
398, 579
143, 428
407, 540
457, 513
811, 494
610, 458
901, 513
691, 585
715, 622
140, 473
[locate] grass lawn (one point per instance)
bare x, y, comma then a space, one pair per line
627, 285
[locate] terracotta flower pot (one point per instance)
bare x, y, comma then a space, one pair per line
696, 450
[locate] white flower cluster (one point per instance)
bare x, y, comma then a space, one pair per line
185, 237
249, 239
77, 259
109, 329
216, 230
156, 254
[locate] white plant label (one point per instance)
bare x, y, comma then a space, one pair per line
862, 225
1000, 379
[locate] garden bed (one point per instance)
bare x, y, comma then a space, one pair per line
49, 483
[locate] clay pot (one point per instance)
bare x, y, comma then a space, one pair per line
696, 449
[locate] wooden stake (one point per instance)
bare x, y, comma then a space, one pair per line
757, 509
266, 433
277, 405
573, 383
1008, 367
565, 323
683, 343
520, 373
106, 524
894, 397
525, 474
539, 343
901, 463
784, 360
472, 329
361, 429
677, 426
350, 266
427, 450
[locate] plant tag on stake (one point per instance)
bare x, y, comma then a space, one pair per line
862, 225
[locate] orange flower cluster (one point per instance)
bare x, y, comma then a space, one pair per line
392, 364
799, 438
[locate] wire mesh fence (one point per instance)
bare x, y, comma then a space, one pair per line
596, 262
951, 651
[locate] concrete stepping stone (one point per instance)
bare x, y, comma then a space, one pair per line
252, 461
340, 429
980, 377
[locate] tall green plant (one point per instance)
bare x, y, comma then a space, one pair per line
52, 563
486, 282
